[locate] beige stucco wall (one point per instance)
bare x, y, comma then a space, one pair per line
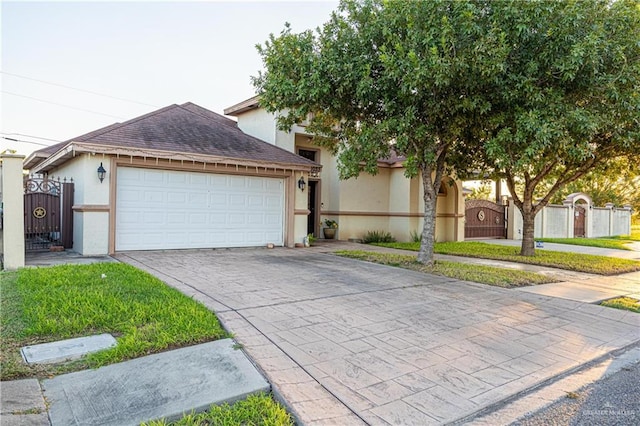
387, 201
13, 211
90, 228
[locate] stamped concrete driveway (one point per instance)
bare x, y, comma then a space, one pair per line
347, 342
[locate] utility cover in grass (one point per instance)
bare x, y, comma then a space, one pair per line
66, 350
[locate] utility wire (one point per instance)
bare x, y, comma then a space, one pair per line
30, 136
19, 140
62, 105
79, 90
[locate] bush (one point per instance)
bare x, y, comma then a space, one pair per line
416, 237
378, 237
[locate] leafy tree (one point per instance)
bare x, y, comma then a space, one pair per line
568, 100
389, 76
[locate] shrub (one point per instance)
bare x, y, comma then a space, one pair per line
416, 237
378, 237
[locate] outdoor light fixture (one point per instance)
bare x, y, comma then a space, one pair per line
101, 173
301, 183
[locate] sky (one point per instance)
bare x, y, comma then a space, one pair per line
142, 55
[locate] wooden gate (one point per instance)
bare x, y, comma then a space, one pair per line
484, 219
48, 215
579, 221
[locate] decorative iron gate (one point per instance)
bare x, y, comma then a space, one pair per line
578, 222
48, 215
484, 219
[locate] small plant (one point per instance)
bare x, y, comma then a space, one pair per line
311, 238
378, 237
415, 237
331, 224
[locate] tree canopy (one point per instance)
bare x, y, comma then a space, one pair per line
568, 100
533, 91
383, 77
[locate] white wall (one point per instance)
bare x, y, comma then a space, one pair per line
557, 222
90, 228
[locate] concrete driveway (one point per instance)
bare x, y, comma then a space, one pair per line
346, 342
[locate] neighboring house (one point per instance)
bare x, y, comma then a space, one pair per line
388, 201
180, 177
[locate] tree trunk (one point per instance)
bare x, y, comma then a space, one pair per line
430, 197
528, 244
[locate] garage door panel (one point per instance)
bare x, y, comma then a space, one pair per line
151, 177
159, 209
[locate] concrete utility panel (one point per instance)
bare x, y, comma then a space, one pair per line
163, 385
66, 350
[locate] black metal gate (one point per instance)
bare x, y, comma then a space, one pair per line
484, 219
48, 215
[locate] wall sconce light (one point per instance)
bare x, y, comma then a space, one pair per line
301, 183
101, 173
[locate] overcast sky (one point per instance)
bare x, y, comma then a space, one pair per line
153, 53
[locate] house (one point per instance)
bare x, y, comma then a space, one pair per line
176, 178
185, 177
387, 201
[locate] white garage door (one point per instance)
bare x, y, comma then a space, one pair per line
159, 209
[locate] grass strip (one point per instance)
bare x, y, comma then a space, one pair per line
60, 302
258, 409
626, 303
602, 265
607, 243
500, 277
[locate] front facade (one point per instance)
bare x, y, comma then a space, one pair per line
184, 177
388, 201
180, 177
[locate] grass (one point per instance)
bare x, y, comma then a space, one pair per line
500, 277
47, 304
626, 303
618, 242
255, 410
602, 265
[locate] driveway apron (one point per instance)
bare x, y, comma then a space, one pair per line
348, 342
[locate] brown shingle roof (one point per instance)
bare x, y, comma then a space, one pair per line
189, 129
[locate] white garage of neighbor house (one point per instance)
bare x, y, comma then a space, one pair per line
180, 177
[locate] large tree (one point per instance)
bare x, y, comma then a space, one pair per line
568, 100
389, 76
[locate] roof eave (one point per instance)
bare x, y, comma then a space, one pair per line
242, 107
70, 151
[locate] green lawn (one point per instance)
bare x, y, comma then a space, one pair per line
254, 410
572, 261
501, 277
618, 243
47, 304
626, 303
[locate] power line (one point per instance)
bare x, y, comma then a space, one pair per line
79, 90
62, 105
30, 136
19, 140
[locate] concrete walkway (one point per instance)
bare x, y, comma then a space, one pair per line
164, 385
347, 342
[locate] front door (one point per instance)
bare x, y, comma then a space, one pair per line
312, 202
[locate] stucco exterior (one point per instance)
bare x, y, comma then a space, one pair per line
387, 201
12, 243
91, 203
